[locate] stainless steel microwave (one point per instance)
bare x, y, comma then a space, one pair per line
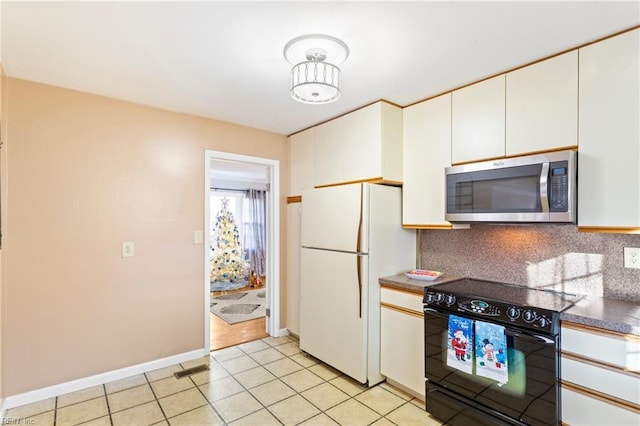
533, 188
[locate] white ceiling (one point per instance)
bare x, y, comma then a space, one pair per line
224, 59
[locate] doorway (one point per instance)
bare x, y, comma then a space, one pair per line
235, 167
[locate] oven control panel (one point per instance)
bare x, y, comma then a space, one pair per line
480, 307
522, 316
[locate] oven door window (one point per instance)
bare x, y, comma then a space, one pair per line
529, 393
508, 190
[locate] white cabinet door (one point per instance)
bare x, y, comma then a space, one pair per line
363, 144
293, 267
391, 143
600, 383
609, 129
426, 152
402, 339
580, 409
542, 107
328, 153
478, 121
301, 161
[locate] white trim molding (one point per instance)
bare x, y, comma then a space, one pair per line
272, 235
98, 379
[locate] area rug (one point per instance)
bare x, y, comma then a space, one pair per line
227, 285
239, 307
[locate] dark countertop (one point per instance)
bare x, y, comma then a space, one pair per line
608, 314
402, 282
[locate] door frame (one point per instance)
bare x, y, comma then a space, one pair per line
272, 258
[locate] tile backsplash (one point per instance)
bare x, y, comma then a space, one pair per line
547, 256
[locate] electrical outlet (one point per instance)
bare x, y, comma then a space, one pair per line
632, 257
127, 249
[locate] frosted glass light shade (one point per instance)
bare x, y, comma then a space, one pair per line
314, 82
315, 76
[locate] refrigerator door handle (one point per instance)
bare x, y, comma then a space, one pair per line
359, 236
359, 273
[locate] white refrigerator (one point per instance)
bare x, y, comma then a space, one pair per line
351, 235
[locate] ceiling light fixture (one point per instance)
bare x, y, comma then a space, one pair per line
315, 76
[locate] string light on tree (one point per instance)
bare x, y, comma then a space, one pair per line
227, 263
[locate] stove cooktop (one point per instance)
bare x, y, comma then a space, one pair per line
500, 302
511, 294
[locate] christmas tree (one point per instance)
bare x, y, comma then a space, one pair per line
227, 263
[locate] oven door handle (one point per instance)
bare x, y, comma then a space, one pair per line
525, 335
431, 311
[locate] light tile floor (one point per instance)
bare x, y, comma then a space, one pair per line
261, 383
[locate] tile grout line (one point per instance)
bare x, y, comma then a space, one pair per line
104, 389
210, 403
55, 411
156, 398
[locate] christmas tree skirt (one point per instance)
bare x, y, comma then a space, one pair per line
227, 285
238, 307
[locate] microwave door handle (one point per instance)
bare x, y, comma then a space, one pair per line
544, 180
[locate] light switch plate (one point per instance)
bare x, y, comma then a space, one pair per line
632, 257
127, 249
197, 237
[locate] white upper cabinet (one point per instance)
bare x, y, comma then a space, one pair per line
609, 129
328, 153
426, 152
542, 106
301, 161
362, 136
365, 145
478, 121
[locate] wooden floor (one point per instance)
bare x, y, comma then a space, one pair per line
224, 334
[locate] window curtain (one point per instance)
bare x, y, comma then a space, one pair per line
254, 229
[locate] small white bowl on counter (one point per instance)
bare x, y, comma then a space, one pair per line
423, 274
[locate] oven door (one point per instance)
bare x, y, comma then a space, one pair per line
529, 395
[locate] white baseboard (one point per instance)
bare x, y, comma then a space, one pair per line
282, 332
98, 379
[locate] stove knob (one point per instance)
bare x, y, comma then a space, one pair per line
544, 322
430, 297
513, 312
451, 299
439, 297
529, 316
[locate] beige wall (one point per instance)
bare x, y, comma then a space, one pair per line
84, 174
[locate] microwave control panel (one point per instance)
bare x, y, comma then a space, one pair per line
559, 186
